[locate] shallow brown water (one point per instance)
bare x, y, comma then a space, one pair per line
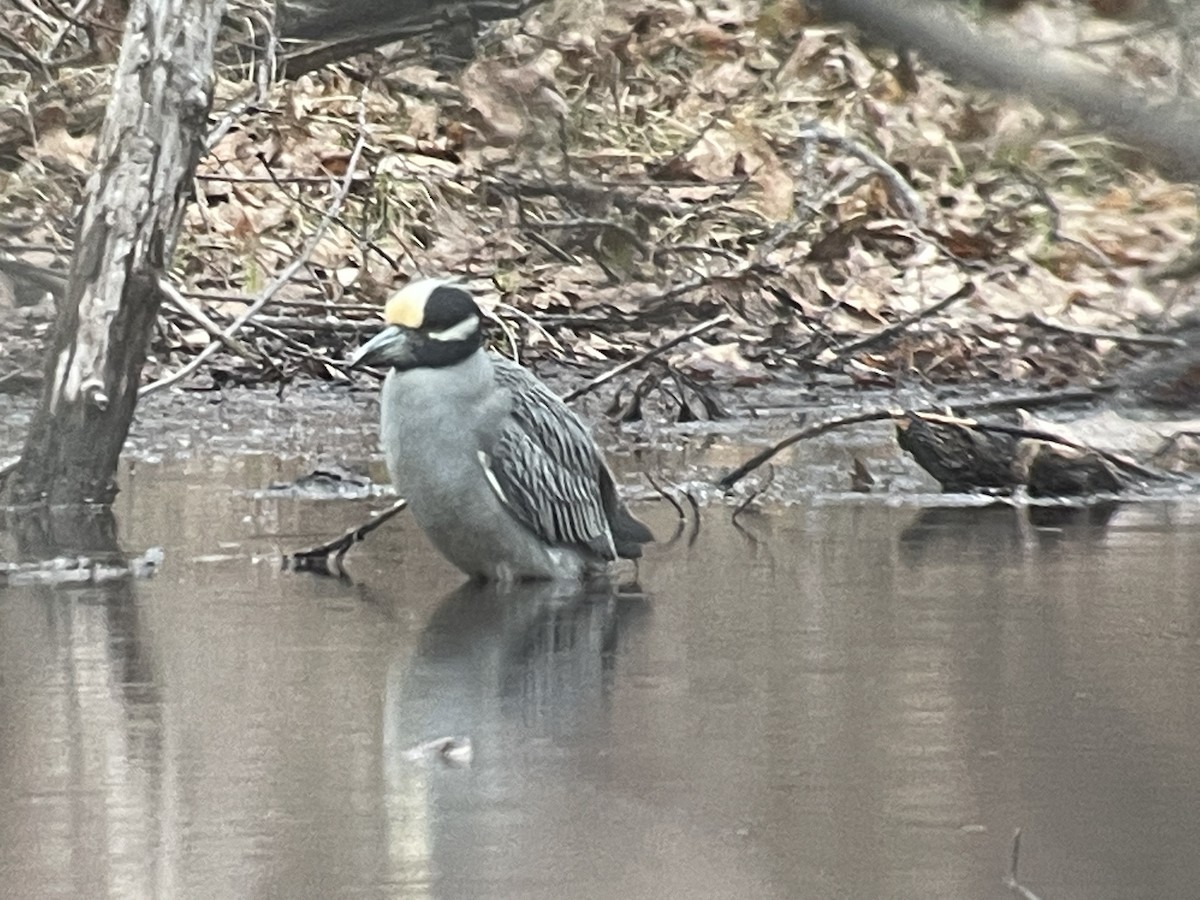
851, 698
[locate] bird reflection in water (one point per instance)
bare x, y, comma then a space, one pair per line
518, 674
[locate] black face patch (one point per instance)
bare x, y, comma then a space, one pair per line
447, 308
448, 305
432, 354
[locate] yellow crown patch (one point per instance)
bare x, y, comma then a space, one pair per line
407, 308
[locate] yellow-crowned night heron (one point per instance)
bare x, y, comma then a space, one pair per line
504, 479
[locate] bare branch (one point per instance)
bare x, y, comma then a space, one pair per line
285, 274
722, 319
197, 315
886, 334
899, 188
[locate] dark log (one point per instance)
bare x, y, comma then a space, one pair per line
961, 458
146, 155
966, 455
1062, 472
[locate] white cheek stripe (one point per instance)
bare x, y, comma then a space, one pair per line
459, 332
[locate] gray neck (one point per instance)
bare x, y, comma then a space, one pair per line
466, 380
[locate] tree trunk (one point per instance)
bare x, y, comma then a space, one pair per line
146, 154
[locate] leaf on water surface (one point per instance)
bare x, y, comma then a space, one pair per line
451, 751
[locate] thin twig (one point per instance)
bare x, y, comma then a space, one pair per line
262, 179
722, 319
301, 350
34, 10
534, 324
1040, 400
53, 281
1034, 183
323, 304
197, 315
1100, 334
907, 199
347, 327
300, 260
732, 478
73, 20
316, 559
695, 505
264, 74
758, 491
886, 334
581, 223
46, 70
681, 516
337, 220
662, 492
510, 335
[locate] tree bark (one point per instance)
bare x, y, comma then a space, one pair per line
146, 154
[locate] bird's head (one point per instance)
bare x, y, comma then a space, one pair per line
432, 322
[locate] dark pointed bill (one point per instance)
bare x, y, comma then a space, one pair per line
385, 347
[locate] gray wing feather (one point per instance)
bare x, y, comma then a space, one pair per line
546, 469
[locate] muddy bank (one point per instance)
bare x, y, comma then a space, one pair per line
334, 429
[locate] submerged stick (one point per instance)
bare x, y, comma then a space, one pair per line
1010, 880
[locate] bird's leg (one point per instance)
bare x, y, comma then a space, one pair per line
317, 559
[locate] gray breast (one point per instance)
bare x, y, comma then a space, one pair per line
439, 426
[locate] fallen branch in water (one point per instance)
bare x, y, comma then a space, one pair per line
1048, 437
758, 490
1010, 880
732, 478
